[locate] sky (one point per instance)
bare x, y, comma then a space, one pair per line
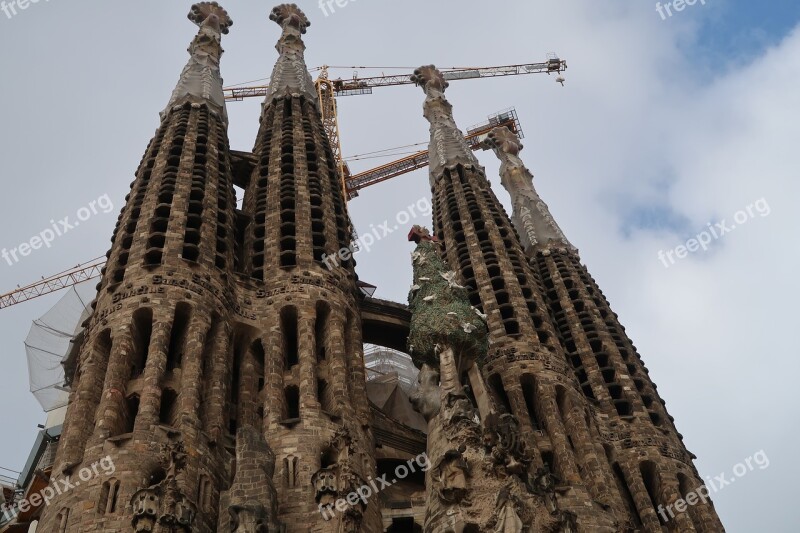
668, 130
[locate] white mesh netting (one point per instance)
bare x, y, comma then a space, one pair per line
50, 341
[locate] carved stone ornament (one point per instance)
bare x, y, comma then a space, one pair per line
249, 519
200, 80
508, 519
290, 15
212, 14
164, 502
531, 216
458, 407
326, 485
145, 503
448, 148
290, 77
450, 477
504, 443
426, 398
504, 140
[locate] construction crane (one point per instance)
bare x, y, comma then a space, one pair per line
328, 90
475, 137
62, 280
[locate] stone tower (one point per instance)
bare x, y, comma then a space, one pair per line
148, 390
601, 452
630, 429
223, 371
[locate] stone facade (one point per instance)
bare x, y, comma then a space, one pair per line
222, 369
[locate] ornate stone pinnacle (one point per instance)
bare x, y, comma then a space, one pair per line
211, 13
429, 77
290, 15
505, 140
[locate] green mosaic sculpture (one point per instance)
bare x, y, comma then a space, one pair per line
441, 314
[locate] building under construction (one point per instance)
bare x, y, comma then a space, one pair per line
222, 364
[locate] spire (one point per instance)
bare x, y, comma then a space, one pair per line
290, 76
448, 148
531, 216
201, 78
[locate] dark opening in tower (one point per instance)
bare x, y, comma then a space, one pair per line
290, 341
292, 402
142, 331
288, 188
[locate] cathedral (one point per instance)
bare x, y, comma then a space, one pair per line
222, 367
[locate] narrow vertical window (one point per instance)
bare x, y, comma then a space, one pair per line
289, 330
292, 403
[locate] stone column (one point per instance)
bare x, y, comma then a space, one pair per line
219, 368
112, 404
641, 498
150, 404
84, 402
337, 368
192, 372
479, 391
273, 377
669, 494
596, 479
557, 432
308, 360
248, 390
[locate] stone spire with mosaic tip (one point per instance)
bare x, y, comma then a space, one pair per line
201, 80
290, 77
448, 147
531, 216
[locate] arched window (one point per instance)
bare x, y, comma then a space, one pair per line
109, 493
290, 471
205, 494
61, 519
